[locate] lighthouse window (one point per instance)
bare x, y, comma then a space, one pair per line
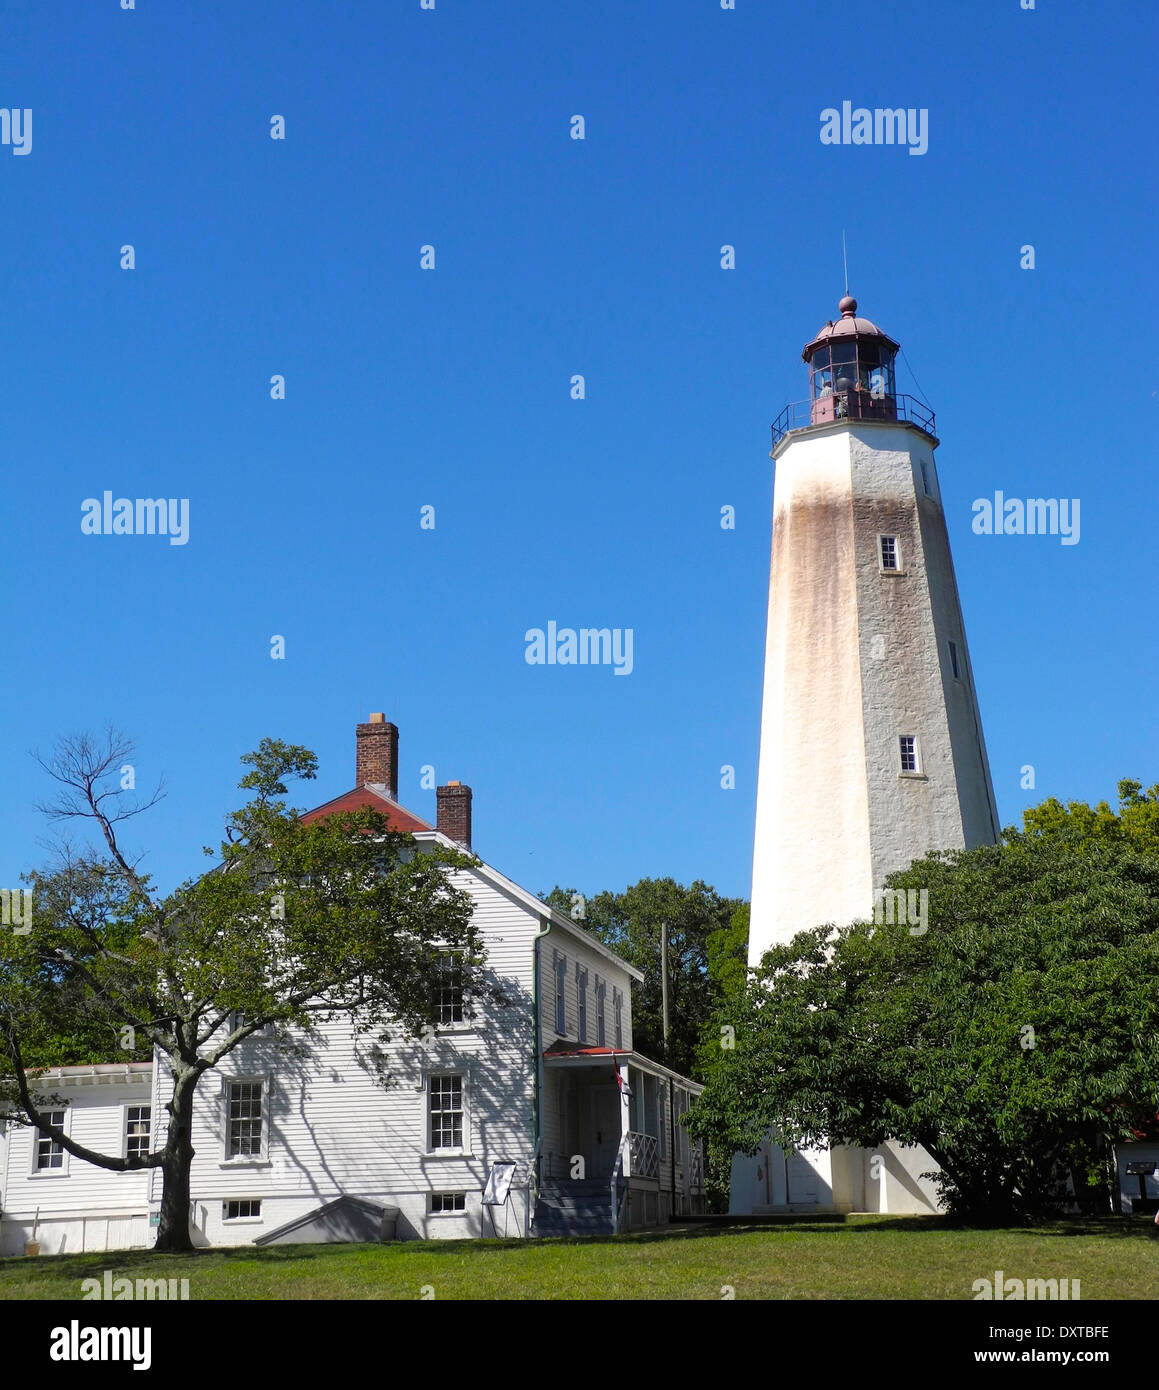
844, 367
926, 483
889, 556
954, 661
869, 376
909, 752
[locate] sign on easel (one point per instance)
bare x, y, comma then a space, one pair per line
498, 1184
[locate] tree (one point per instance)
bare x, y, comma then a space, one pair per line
728, 975
1136, 823
298, 923
631, 923
1016, 1039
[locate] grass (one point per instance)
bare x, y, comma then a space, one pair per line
860, 1257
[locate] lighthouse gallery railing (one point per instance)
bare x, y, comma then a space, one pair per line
853, 405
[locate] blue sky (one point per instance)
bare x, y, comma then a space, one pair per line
450, 388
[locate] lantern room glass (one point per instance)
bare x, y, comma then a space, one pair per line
858, 366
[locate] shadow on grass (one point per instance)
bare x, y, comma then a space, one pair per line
92, 1264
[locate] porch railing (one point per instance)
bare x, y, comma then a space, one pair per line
556, 1165
533, 1173
619, 1184
643, 1155
696, 1168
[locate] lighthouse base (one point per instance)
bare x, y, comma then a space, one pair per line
842, 1179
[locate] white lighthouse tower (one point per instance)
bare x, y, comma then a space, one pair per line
871, 741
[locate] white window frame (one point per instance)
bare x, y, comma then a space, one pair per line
443, 1215
125, 1108
465, 1149
464, 1023
883, 568
581, 990
261, 1159
919, 770
62, 1171
559, 965
241, 1220
236, 1017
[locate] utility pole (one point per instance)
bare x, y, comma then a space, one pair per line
664, 982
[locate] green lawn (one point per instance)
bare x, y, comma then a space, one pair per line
861, 1257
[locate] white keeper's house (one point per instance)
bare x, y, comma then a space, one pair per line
534, 1117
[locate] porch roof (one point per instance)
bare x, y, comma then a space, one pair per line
565, 1054
94, 1074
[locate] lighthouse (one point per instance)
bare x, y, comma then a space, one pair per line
871, 750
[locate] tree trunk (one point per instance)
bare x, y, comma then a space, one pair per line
173, 1233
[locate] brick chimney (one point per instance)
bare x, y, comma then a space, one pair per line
377, 744
454, 817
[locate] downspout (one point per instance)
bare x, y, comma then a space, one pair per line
537, 1043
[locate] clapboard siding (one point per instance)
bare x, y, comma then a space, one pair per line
571, 946
334, 1129
95, 1118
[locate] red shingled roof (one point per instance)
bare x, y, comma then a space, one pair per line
397, 816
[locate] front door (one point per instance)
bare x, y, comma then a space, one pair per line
605, 1129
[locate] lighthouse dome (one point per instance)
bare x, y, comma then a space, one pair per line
847, 326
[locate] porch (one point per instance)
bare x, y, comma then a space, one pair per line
612, 1120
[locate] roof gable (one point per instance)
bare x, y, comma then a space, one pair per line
398, 817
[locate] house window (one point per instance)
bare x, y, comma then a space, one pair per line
925, 478
245, 1120
890, 560
443, 1203
449, 990
560, 1004
909, 752
137, 1120
581, 980
49, 1154
601, 991
241, 1209
446, 1103
618, 1006
954, 661
240, 1019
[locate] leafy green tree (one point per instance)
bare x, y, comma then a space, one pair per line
298, 923
1016, 1039
728, 974
1135, 823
